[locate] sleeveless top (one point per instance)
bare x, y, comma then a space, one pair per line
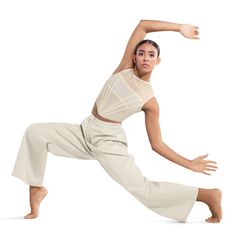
122, 95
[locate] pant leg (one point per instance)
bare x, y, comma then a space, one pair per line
61, 139
167, 199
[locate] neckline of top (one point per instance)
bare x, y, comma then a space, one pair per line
141, 80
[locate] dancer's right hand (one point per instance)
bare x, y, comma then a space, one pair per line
189, 31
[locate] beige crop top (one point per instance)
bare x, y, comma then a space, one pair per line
123, 95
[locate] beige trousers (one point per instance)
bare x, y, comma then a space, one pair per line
106, 143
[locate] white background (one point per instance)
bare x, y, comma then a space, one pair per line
54, 58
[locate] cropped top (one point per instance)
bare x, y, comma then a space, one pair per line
122, 95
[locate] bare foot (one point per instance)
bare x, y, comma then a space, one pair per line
37, 194
215, 207
212, 197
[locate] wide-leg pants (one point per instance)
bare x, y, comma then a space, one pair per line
107, 143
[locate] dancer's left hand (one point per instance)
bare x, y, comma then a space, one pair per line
203, 166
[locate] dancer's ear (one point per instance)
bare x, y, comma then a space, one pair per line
158, 61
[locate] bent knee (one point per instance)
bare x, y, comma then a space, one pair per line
34, 129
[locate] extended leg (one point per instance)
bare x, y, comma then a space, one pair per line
167, 199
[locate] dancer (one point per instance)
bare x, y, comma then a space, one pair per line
101, 137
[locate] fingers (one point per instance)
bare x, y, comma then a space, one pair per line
195, 33
206, 161
210, 169
202, 157
196, 37
211, 166
209, 161
208, 164
206, 173
204, 166
189, 31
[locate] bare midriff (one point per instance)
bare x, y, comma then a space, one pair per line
95, 113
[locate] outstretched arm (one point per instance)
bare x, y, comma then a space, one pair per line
148, 26
198, 164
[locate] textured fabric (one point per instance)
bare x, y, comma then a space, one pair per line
123, 95
105, 142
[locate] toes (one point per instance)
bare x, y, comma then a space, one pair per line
30, 216
212, 220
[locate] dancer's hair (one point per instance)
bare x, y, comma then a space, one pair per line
150, 42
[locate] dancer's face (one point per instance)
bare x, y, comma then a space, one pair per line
146, 58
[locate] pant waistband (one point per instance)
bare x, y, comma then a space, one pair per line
104, 123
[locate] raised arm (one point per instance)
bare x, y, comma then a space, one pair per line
198, 164
148, 26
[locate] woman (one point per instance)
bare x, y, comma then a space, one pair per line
100, 136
